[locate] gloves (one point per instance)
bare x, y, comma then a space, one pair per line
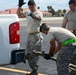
47, 57
21, 3
32, 15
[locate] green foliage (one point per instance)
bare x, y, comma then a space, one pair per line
64, 11
38, 7
51, 10
56, 13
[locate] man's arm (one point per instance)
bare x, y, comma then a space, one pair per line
20, 13
34, 16
52, 47
38, 18
57, 48
64, 23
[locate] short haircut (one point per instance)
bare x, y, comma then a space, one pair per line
44, 26
31, 2
72, 2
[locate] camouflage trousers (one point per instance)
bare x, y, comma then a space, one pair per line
64, 58
73, 61
33, 43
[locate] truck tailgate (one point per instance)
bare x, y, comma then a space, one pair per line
5, 47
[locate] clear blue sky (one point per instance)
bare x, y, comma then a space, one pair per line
56, 4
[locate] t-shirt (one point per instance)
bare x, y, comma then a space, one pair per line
60, 34
71, 17
32, 24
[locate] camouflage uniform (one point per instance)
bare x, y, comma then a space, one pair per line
64, 58
73, 61
33, 43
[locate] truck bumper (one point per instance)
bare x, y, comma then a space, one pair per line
18, 56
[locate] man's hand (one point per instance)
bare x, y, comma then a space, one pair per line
32, 15
46, 56
21, 3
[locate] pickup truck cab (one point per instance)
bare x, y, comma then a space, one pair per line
9, 39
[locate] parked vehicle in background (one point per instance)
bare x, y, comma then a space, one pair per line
10, 51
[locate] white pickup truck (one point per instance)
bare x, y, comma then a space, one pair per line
10, 51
